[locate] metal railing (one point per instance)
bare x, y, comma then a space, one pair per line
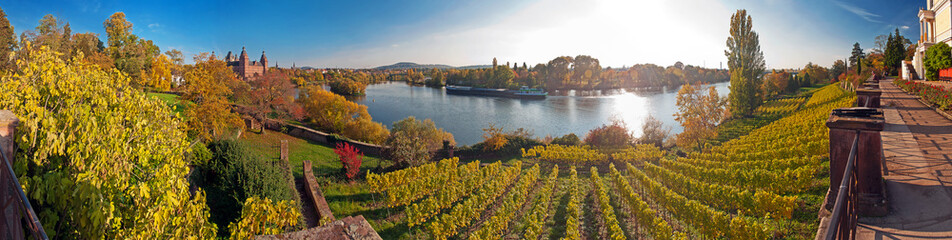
843, 220
28, 217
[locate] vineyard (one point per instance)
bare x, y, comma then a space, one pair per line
765, 184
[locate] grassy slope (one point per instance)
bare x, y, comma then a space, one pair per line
172, 100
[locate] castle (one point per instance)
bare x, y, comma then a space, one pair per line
245, 68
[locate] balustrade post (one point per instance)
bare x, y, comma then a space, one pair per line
868, 97
844, 124
11, 227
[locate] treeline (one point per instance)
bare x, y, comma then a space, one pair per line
581, 73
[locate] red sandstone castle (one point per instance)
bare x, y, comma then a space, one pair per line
245, 68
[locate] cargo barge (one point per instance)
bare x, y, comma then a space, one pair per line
523, 93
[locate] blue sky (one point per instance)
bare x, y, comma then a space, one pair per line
359, 34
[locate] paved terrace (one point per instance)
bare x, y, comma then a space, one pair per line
917, 170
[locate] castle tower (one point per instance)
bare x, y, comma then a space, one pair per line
228, 57
264, 62
243, 58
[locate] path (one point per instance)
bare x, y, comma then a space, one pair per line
917, 170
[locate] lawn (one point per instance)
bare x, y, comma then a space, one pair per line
326, 164
171, 100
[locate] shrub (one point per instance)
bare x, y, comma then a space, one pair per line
350, 157
568, 140
653, 132
613, 136
412, 140
234, 174
494, 138
938, 56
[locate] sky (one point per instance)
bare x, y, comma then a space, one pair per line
363, 34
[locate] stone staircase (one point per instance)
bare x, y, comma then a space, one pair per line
912, 71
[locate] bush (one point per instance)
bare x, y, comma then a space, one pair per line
938, 56
505, 144
567, 140
350, 158
653, 132
234, 174
613, 136
412, 140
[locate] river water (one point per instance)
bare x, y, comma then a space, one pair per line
577, 112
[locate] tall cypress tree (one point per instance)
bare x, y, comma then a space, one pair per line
746, 64
7, 41
856, 58
894, 53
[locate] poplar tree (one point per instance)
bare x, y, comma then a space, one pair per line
746, 63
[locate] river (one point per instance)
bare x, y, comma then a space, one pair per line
466, 116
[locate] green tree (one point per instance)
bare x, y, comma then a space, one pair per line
894, 54
746, 64
8, 41
856, 58
839, 67
130, 54
99, 159
938, 56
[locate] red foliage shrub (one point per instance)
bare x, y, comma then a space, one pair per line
350, 157
615, 135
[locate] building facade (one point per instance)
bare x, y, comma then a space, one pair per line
935, 26
244, 67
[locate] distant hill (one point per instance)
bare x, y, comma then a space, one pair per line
409, 65
475, 67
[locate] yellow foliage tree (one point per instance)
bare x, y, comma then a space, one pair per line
105, 161
699, 113
261, 216
207, 87
160, 73
332, 112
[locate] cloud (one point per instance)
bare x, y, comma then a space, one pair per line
155, 27
863, 13
904, 27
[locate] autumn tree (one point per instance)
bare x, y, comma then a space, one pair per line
92, 49
7, 41
99, 159
272, 94
333, 113
159, 76
699, 114
775, 83
746, 64
206, 87
586, 71
262, 216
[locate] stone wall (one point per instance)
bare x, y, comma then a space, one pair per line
313, 191
356, 228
